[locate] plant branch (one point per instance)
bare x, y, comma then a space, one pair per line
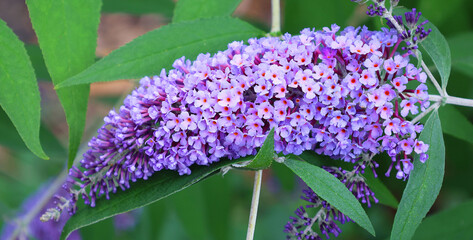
427, 111
452, 100
275, 16
433, 80
254, 205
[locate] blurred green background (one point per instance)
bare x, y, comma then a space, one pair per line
218, 208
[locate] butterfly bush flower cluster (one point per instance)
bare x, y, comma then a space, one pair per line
339, 93
326, 217
300, 227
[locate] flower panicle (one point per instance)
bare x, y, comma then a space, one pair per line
339, 93
325, 218
301, 226
411, 31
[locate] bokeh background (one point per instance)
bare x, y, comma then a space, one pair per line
218, 208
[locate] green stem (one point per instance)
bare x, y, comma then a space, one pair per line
254, 205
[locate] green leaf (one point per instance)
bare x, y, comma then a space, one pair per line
67, 36
265, 155
380, 190
437, 47
300, 14
139, 7
331, 190
455, 123
141, 193
462, 52
192, 216
187, 10
424, 182
454, 223
19, 93
38, 62
148, 54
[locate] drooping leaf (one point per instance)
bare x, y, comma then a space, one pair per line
454, 223
148, 54
138, 7
436, 47
265, 155
455, 123
424, 182
331, 190
380, 190
141, 193
67, 36
19, 93
187, 10
462, 52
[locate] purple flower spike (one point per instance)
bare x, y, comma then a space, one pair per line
323, 91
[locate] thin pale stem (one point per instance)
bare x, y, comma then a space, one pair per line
427, 111
254, 205
433, 80
275, 16
452, 100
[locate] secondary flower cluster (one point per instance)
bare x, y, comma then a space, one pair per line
300, 227
24, 227
338, 93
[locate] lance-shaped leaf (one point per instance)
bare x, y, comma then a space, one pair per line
187, 10
67, 36
19, 93
138, 7
329, 188
149, 54
424, 182
141, 193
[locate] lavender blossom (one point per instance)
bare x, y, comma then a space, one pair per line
323, 91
